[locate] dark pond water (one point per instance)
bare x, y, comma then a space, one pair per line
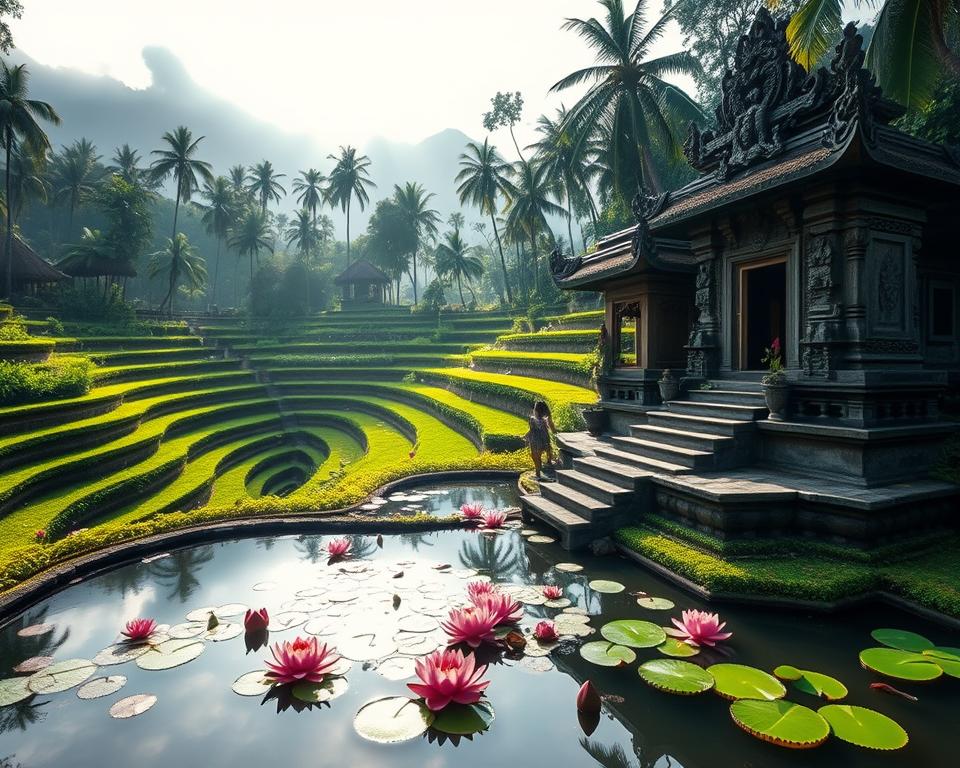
198, 720
443, 500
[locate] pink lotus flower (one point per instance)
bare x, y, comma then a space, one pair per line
339, 547
139, 630
256, 621
775, 347
699, 628
552, 592
546, 632
493, 518
472, 511
588, 700
449, 676
473, 626
502, 607
303, 659
40, 535
476, 590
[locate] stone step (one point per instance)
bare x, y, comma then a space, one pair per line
674, 454
749, 383
603, 490
717, 410
584, 505
643, 462
685, 438
734, 397
704, 424
574, 531
624, 475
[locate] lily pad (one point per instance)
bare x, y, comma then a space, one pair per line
225, 631
738, 681
535, 539
187, 629
464, 719
606, 587
607, 654
392, 719
368, 647
655, 603
33, 664
901, 639
170, 654
287, 620
633, 633
201, 614
317, 693
132, 706
864, 727
677, 648
948, 659
62, 676
676, 676
535, 664
230, 610
101, 686
14, 689
35, 630
397, 668
902, 665
560, 602
252, 684
568, 567
814, 683
781, 722
120, 653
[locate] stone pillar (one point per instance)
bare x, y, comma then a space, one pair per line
703, 346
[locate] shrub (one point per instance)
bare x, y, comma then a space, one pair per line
13, 330
88, 304
56, 379
55, 327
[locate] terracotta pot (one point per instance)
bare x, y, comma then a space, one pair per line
776, 396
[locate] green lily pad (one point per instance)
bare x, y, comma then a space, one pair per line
464, 719
317, 693
634, 633
738, 681
781, 722
901, 639
814, 683
607, 587
902, 665
14, 689
676, 676
170, 654
132, 706
864, 727
948, 659
568, 567
655, 603
677, 648
607, 654
252, 684
34, 664
62, 676
392, 719
101, 686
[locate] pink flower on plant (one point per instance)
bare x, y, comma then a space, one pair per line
775, 347
493, 518
502, 607
339, 547
139, 630
471, 511
256, 621
552, 592
480, 589
449, 677
40, 535
546, 632
304, 659
473, 626
699, 628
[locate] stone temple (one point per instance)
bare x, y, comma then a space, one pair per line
816, 223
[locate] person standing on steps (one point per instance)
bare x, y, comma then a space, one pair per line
538, 436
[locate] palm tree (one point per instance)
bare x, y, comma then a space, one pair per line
413, 200
456, 259
179, 161
218, 215
304, 236
18, 125
263, 184
126, 163
530, 205
238, 180
309, 189
627, 95
252, 235
179, 261
75, 176
483, 177
26, 179
350, 177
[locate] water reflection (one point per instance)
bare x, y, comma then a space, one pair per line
180, 570
499, 555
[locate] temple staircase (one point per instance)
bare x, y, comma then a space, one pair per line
609, 483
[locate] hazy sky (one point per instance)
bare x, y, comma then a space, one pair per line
343, 70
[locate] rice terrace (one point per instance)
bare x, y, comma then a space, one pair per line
616, 422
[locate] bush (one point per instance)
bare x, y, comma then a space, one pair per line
55, 327
13, 330
88, 304
56, 379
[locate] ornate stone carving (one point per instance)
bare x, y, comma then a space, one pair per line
561, 267
890, 277
820, 276
705, 291
891, 346
645, 206
892, 226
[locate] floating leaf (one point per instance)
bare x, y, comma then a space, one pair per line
607, 654
948, 659
606, 587
187, 629
864, 727
132, 706
101, 686
537, 539
253, 683
35, 630
903, 665
633, 633
392, 719
14, 689
535, 664
814, 683
287, 620
781, 722
560, 602
673, 647
464, 719
738, 681
568, 567
367, 647
675, 676
170, 654
655, 603
120, 653
62, 676
264, 586
34, 664
225, 631
230, 610
901, 639
201, 614
397, 668
317, 693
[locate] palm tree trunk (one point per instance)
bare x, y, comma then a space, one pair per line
8, 246
176, 212
570, 228
460, 289
416, 248
503, 261
348, 231
473, 294
520, 273
536, 265
251, 268
216, 274
522, 158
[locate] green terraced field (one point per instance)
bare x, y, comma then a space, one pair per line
226, 418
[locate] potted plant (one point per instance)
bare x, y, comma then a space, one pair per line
669, 386
775, 388
595, 417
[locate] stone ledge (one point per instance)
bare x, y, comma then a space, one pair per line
858, 434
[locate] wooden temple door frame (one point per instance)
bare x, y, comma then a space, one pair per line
742, 273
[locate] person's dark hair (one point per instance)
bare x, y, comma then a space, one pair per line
541, 410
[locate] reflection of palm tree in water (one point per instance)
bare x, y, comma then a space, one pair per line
615, 756
416, 540
310, 548
123, 580
17, 717
178, 571
499, 555
362, 546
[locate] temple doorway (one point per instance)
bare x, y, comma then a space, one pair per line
762, 310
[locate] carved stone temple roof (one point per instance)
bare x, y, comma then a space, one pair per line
776, 124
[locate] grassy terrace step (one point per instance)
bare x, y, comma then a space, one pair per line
348, 347
356, 373
163, 370
97, 343
574, 368
145, 356
583, 320
367, 360
26, 350
552, 341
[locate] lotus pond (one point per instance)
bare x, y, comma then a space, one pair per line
76, 692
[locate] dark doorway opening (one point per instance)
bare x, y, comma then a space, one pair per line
763, 311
